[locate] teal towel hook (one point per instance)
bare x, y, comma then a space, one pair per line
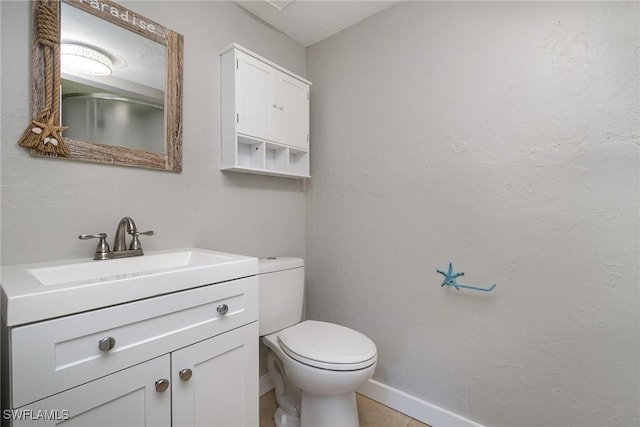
450, 280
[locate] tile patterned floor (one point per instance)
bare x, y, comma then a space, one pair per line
371, 413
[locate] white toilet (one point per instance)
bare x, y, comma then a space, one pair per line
316, 366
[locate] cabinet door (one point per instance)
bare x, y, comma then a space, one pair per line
222, 385
255, 97
293, 111
125, 398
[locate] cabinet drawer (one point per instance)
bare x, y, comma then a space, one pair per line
52, 356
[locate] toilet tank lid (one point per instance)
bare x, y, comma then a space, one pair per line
272, 264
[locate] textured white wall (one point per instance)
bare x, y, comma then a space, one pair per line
47, 203
503, 137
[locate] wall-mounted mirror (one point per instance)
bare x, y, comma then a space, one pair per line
120, 80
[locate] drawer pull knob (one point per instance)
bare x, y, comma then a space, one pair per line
185, 374
223, 309
162, 385
107, 343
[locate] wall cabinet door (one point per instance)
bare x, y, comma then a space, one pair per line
256, 97
222, 384
125, 398
293, 112
271, 105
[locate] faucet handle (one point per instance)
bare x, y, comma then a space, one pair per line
135, 242
103, 247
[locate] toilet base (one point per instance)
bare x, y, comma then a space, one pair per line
282, 419
321, 410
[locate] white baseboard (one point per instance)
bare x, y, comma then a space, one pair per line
400, 401
265, 384
412, 406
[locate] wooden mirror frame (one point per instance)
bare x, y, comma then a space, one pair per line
110, 154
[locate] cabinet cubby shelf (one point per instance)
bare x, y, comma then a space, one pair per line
269, 158
264, 172
265, 116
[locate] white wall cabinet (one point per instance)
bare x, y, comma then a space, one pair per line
185, 359
256, 97
265, 116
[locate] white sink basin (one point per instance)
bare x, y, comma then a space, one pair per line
34, 292
124, 267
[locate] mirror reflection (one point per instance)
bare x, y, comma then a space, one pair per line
113, 83
121, 84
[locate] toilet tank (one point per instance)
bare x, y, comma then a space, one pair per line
281, 289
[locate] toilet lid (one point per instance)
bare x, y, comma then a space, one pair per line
328, 346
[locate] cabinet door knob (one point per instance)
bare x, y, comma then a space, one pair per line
274, 106
223, 309
280, 108
162, 385
185, 374
106, 343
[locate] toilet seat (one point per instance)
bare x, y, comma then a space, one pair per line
327, 346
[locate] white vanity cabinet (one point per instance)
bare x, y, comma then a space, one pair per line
126, 398
184, 359
223, 383
265, 116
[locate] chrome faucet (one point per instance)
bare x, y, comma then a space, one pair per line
120, 249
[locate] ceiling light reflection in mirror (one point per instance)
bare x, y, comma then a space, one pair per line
84, 59
132, 78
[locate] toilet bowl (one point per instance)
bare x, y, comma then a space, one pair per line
316, 366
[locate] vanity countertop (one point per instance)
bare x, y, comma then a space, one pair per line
40, 291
